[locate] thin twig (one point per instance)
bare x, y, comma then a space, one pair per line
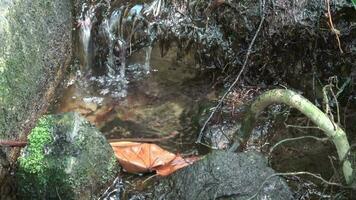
294, 174
170, 136
249, 50
337, 106
301, 127
111, 189
326, 103
297, 138
149, 178
59, 197
333, 29
336, 173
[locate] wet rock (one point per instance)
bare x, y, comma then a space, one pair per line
219, 136
222, 175
35, 38
66, 158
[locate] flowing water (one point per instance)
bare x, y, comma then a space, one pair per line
155, 106
132, 88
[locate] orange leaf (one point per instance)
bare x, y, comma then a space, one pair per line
141, 157
174, 165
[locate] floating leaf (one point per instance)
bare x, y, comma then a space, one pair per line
145, 157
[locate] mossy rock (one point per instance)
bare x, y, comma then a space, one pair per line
35, 48
66, 158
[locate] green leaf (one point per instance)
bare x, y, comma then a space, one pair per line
354, 2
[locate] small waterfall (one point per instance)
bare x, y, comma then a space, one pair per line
111, 27
105, 35
146, 66
114, 81
85, 24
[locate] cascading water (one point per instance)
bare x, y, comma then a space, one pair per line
114, 31
85, 23
110, 34
114, 81
114, 34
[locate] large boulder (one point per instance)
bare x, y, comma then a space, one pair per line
223, 175
66, 158
35, 48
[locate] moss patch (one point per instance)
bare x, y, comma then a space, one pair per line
67, 157
39, 137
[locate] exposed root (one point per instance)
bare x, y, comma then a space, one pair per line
331, 24
319, 118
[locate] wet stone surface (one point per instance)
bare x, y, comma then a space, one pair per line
222, 175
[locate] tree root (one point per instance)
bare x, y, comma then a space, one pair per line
320, 119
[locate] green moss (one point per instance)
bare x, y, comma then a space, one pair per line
38, 172
38, 138
65, 156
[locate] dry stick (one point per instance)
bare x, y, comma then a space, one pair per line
294, 174
249, 50
12, 143
333, 29
111, 187
149, 140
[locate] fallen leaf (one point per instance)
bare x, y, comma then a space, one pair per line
145, 157
178, 163
141, 157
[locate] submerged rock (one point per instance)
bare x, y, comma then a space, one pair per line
223, 175
66, 158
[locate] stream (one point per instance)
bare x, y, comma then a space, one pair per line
140, 97
138, 90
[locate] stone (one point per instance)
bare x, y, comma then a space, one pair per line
66, 158
224, 175
35, 38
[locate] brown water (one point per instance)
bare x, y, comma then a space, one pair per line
147, 97
155, 105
